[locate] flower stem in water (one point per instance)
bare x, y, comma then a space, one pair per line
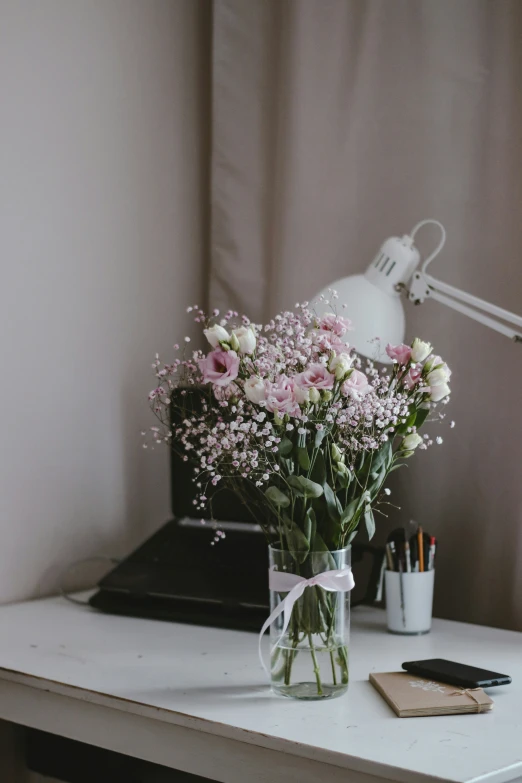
332, 661
316, 666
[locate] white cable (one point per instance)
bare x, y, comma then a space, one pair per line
99, 558
441, 244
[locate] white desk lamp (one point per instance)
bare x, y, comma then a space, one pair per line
374, 299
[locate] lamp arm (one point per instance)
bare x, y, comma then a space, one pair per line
474, 301
424, 286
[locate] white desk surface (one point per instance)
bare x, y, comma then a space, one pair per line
197, 699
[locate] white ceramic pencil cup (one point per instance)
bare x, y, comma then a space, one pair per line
409, 607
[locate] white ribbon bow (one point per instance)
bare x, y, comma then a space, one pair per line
337, 581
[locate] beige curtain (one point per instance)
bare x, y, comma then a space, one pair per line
337, 123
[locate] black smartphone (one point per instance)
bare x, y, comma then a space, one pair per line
440, 670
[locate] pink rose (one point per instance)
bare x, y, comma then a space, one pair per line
356, 386
316, 377
412, 377
401, 353
335, 323
219, 367
280, 397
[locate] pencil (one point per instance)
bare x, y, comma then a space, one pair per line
420, 540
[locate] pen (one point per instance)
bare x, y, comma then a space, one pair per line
433, 546
407, 556
420, 538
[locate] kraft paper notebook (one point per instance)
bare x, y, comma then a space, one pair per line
413, 697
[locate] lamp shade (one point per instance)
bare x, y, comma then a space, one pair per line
372, 300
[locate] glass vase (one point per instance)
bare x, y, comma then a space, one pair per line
310, 659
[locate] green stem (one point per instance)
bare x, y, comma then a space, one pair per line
290, 654
332, 661
343, 664
317, 671
327, 604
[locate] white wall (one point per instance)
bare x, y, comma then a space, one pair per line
100, 250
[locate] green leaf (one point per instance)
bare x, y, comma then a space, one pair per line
331, 522
319, 436
332, 504
352, 536
295, 485
369, 521
410, 421
305, 488
285, 447
318, 473
364, 463
343, 476
303, 458
321, 514
322, 559
350, 511
377, 482
342, 481
298, 544
382, 457
310, 525
277, 498
422, 415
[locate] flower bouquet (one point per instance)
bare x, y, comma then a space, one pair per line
293, 423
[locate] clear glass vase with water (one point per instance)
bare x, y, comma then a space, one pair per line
310, 660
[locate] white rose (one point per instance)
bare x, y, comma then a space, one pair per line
439, 376
246, 339
410, 442
341, 365
302, 395
255, 389
420, 350
439, 391
438, 371
216, 335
